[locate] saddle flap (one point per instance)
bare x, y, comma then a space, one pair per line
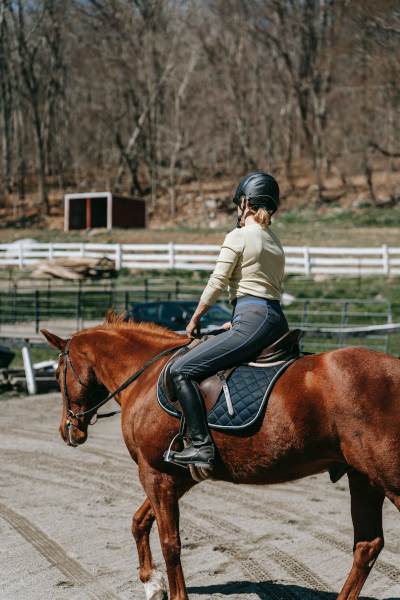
212, 387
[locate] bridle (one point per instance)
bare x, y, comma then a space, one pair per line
71, 415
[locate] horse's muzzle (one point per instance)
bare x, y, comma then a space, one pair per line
72, 435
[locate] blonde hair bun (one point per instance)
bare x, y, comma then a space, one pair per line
262, 217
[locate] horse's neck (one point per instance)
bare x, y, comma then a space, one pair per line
128, 354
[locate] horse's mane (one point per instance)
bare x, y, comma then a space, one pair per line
115, 320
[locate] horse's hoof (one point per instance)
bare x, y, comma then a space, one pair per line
155, 588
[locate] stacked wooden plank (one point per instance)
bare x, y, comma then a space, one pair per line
76, 268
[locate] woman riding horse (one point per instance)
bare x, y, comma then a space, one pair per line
251, 263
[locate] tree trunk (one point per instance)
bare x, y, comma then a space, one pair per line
41, 163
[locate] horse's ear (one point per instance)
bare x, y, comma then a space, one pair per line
54, 340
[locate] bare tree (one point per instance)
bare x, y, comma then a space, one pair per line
36, 38
143, 95
6, 100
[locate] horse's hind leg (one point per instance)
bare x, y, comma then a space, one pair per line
366, 512
153, 581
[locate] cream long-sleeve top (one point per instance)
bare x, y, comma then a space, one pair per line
251, 261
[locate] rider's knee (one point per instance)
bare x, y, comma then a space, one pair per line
177, 374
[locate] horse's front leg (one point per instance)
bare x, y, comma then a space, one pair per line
163, 492
153, 581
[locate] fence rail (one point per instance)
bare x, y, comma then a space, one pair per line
301, 260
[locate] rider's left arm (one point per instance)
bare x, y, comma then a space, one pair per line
229, 254
195, 320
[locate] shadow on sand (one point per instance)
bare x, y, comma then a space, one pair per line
266, 590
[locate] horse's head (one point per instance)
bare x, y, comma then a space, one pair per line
79, 387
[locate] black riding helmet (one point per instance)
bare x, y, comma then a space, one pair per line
260, 189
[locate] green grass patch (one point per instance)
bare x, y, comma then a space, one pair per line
38, 354
361, 217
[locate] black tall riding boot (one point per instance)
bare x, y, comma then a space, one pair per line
201, 451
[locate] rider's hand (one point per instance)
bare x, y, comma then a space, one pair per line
192, 326
227, 325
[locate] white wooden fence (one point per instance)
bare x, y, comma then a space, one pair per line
302, 260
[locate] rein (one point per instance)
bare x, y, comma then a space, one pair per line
124, 385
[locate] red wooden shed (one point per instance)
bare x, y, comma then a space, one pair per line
103, 209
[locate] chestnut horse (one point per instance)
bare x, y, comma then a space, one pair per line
336, 407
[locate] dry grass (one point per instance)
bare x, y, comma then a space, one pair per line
317, 233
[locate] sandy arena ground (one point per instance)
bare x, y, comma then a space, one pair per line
65, 524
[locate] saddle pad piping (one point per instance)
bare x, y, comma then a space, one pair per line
270, 364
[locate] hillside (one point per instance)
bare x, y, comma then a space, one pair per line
342, 214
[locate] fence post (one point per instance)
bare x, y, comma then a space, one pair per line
177, 289
29, 370
385, 259
82, 250
50, 251
307, 265
344, 321
78, 304
305, 313
171, 253
111, 294
48, 298
21, 255
37, 311
118, 257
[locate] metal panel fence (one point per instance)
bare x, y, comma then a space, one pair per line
27, 310
302, 260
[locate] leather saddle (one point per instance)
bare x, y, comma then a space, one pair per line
283, 349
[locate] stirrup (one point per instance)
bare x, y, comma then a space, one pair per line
179, 436
197, 460
199, 465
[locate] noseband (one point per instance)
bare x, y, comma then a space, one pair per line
93, 411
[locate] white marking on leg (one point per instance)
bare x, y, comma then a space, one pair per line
155, 588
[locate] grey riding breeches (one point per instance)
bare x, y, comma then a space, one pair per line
256, 323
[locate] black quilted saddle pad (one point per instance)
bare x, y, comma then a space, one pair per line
249, 388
